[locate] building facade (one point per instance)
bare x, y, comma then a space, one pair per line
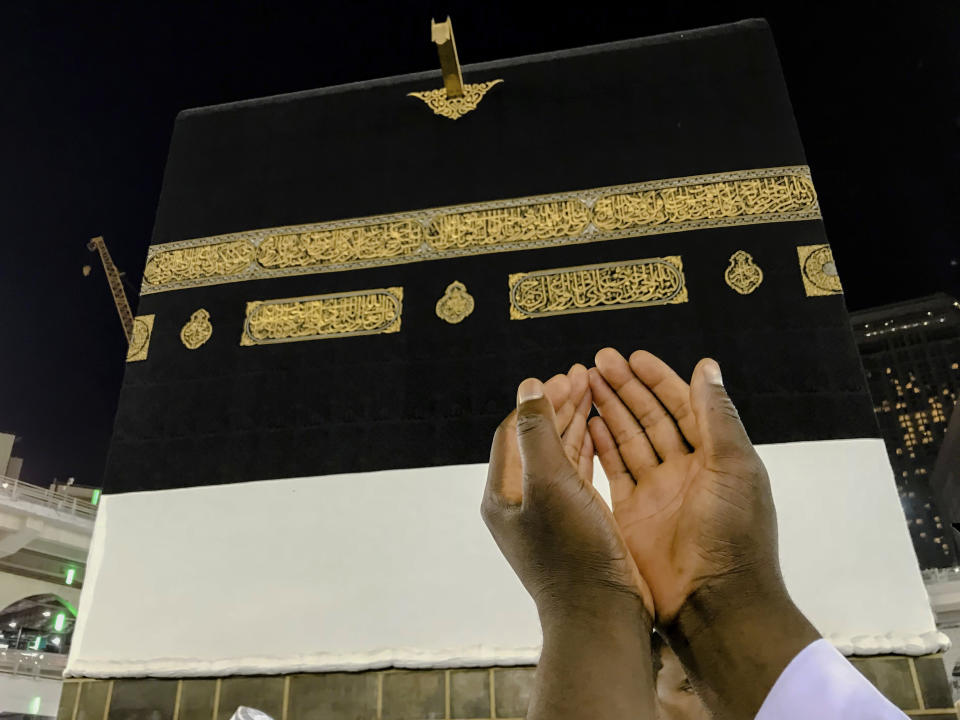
911, 355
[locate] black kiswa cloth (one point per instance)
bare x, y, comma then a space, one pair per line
708, 101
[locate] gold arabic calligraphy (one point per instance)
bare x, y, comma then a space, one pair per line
365, 312
708, 201
607, 286
195, 263
747, 197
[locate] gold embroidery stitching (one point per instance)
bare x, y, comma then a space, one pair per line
363, 312
818, 270
743, 274
197, 263
607, 286
455, 107
663, 206
140, 338
504, 226
456, 303
707, 201
343, 245
197, 330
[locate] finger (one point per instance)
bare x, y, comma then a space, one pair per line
585, 463
621, 481
558, 389
541, 450
504, 474
579, 383
670, 389
656, 422
577, 430
631, 441
723, 435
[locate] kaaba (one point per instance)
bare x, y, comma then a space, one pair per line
345, 287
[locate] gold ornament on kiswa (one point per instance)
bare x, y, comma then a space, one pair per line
747, 197
589, 288
317, 317
456, 303
818, 270
743, 274
455, 107
140, 338
197, 330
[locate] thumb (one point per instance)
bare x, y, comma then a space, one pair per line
722, 434
541, 450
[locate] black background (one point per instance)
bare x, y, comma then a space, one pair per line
433, 393
90, 91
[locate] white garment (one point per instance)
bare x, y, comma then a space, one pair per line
245, 713
821, 683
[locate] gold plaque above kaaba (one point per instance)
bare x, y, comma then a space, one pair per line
378, 268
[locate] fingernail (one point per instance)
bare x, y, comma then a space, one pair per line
712, 371
530, 389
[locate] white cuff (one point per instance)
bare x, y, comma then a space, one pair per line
821, 683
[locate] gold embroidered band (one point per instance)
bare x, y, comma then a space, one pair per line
364, 312
607, 286
140, 338
747, 197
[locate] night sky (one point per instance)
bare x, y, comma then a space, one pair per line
90, 92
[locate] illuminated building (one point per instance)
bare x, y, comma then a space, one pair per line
910, 353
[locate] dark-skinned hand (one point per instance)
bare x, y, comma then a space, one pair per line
689, 492
541, 507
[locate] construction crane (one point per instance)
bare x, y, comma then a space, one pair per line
114, 278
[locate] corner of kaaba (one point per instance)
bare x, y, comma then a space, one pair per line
342, 291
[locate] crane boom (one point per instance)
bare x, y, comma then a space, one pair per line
116, 285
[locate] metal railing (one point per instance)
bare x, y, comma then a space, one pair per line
14, 489
32, 663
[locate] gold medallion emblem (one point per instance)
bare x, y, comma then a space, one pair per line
140, 338
743, 274
818, 270
197, 331
456, 303
455, 107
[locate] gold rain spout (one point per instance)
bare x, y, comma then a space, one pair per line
442, 35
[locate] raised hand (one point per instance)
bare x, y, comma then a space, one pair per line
694, 503
689, 491
563, 542
540, 504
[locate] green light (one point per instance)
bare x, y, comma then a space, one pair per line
34, 708
70, 573
36, 643
95, 498
58, 624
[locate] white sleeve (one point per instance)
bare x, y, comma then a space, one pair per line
820, 683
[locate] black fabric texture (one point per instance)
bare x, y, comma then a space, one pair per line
432, 394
